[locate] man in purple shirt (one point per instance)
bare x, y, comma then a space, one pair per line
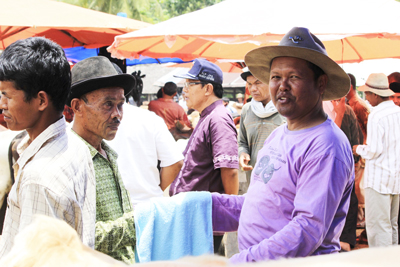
300, 187
211, 155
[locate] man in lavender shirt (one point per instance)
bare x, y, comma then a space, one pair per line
300, 187
211, 155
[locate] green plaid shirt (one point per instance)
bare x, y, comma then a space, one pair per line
115, 226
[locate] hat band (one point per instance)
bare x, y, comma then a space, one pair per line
374, 87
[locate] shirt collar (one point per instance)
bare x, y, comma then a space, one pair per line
166, 100
27, 151
210, 108
94, 151
384, 104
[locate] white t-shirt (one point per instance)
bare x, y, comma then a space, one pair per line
141, 140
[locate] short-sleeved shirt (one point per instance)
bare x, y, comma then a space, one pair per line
212, 145
143, 139
54, 176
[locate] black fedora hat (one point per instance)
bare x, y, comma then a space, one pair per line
300, 43
95, 73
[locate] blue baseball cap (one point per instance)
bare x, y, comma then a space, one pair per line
203, 70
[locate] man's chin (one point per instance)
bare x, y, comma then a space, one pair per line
110, 136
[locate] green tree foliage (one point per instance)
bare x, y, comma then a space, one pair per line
173, 8
136, 9
152, 11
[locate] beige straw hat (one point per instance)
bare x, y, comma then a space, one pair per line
377, 83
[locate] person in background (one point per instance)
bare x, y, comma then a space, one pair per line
211, 156
141, 142
173, 114
225, 101
258, 120
382, 165
395, 87
347, 121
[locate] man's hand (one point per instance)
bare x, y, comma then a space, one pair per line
354, 150
244, 161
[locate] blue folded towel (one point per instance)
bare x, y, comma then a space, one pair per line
171, 228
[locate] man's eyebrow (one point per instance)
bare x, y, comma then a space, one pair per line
108, 98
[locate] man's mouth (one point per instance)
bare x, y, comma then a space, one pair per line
114, 126
6, 117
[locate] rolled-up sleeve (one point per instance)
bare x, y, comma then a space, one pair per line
224, 143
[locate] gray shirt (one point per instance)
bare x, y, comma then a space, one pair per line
253, 133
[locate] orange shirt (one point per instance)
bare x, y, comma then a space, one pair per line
169, 111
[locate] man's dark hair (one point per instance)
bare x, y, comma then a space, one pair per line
318, 72
170, 88
37, 64
394, 77
352, 80
218, 90
159, 93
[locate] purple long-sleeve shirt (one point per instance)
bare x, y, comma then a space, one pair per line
298, 197
212, 145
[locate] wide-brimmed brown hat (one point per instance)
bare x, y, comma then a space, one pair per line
377, 83
300, 43
95, 73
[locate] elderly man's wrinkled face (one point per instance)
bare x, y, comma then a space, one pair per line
258, 90
294, 91
396, 98
103, 112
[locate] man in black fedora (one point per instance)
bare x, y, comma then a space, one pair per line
300, 187
97, 96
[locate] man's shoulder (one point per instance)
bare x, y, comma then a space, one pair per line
246, 107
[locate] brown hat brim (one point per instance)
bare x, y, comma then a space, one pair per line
259, 61
125, 81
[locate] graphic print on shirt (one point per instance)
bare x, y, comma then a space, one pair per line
265, 169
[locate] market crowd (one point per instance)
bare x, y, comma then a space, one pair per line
316, 156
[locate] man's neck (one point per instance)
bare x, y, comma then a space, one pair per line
168, 97
92, 139
46, 119
209, 101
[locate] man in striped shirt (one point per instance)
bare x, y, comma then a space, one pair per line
382, 167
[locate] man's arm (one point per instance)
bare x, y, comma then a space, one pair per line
114, 235
169, 173
226, 212
374, 146
244, 151
230, 180
37, 199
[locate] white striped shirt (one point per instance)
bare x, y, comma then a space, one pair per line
382, 151
54, 177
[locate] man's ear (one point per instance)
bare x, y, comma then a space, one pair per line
322, 83
42, 100
76, 106
209, 89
